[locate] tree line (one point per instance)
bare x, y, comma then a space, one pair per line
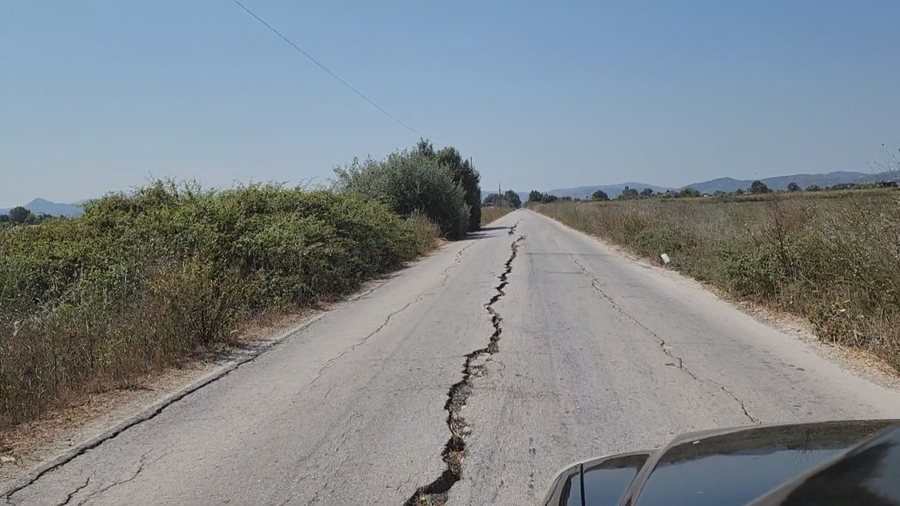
507, 199
22, 216
755, 188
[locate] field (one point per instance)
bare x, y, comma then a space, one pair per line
832, 257
490, 213
140, 282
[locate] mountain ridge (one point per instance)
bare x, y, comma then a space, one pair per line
730, 184
44, 206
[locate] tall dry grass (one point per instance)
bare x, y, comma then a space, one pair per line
833, 258
490, 213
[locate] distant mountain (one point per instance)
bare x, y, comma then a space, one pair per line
727, 184
43, 206
613, 190
581, 192
730, 184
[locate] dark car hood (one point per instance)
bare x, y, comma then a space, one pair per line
856, 462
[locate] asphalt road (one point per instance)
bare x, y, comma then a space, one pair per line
549, 346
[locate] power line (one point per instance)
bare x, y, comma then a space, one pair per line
323, 67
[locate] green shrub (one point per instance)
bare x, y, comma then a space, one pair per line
407, 182
139, 281
463, 173
655, 240
751, 272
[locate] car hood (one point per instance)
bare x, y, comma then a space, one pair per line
858, 461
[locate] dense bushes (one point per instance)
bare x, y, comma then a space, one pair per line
463, 173
438, 184
138, 281
833, 260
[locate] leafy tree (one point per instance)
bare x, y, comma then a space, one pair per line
739, 192
793, 187
599, 195
18, 215
508, 199
410, 181
512, 199
628, 194
535, 196
463, 173
425, 148
813, 188
689, 192
758, 187
4, 218
647, 192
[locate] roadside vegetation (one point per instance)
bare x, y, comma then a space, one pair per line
439, 184
491, 213
495, 206
18, 216
831, 257
141, 281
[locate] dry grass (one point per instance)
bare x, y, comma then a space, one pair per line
490, 213
830, 257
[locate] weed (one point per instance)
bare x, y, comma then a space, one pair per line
831, 257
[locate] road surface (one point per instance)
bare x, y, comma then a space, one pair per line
472, 375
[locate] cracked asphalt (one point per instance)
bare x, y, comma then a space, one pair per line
471, 376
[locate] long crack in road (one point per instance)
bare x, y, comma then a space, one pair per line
455, 450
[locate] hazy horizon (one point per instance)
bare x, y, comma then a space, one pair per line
100, 95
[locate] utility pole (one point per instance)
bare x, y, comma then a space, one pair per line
499, 196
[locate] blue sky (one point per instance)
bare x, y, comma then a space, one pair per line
100, 95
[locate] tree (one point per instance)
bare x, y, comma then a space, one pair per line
463, 173
18, 215
739, 192
889, 163
425, 148
628, 194
599, 195
758, 187
408, 182
535, 197
689, 192
793, 187
512, 199
813, 188
647, 192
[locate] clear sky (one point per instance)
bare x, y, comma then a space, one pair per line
100, 95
